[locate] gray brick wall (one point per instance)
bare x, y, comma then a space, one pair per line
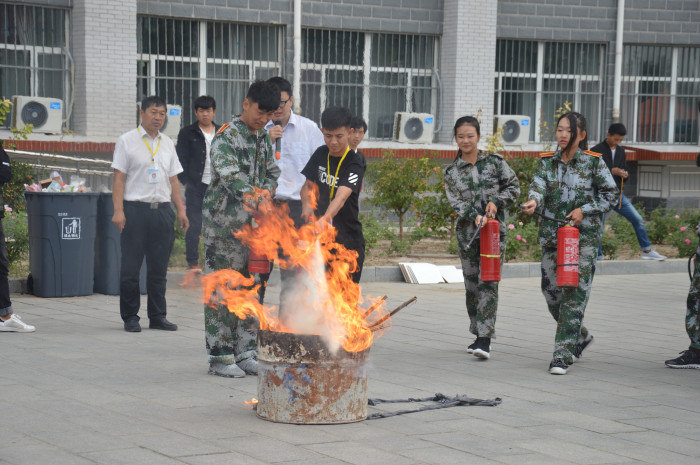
104, 50
51, 3
467, 63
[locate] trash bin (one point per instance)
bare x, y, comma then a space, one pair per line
62, 229
108, 251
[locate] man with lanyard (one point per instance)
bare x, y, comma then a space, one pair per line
337, 172
298, 138
145, 187
193, 147
241, 159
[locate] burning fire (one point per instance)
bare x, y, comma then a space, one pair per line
252, 401
325, 300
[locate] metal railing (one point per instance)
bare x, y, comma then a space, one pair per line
97, 173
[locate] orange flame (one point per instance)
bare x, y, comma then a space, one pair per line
331, 303
252, 401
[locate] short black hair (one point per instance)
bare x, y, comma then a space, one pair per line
357, 122
617, 129
205, 102
335, 118
470, 121
148, 102
265, 94
282, 84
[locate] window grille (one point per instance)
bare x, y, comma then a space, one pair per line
660, 89
373, 74
32, 59
182, 59
537, 78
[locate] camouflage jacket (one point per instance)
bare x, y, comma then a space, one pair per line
240, 160
470, 187
558, 188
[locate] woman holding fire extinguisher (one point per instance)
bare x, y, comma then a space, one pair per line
570, 184
479, 185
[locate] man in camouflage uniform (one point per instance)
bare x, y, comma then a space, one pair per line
691, 358
470, 188
241, 158
559, 188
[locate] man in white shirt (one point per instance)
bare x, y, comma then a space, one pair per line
297, 138
145, 183
193, 150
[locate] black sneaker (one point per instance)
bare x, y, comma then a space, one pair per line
558, 366
688, 359
483, 347
470, 348
581, 347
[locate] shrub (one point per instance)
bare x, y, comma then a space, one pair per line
17, 236
373, 230
522, 242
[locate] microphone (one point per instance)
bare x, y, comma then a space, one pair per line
278, 143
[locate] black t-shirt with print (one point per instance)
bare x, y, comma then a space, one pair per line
350, 175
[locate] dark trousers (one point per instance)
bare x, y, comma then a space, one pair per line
148, 232
194, 196
5, 303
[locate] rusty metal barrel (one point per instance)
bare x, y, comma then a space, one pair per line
300, 381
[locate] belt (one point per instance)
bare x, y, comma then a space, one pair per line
151, 205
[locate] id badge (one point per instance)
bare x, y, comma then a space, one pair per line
153, 176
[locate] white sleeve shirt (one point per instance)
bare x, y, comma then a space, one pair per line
133, 158
300, 140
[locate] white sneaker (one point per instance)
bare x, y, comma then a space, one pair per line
15, 324
652, 254
249, 365
227, 371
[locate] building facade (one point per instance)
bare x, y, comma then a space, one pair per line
446, 58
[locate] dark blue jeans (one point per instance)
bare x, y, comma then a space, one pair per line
194, 196
625, 208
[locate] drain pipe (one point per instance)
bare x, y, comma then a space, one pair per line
617, 84
297, 57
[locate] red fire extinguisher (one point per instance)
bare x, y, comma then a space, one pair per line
567, 257
490, 241
258, 263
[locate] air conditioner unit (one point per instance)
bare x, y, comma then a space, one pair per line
516, 128
173, 120
45, 114
416, 128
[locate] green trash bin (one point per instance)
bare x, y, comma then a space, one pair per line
62, 228
108, 251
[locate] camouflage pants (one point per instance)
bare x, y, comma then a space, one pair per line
482, 297
229, 339
567, 304
692, 324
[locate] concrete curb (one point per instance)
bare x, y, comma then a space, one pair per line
392, 274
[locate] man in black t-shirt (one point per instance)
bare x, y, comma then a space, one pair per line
337, 171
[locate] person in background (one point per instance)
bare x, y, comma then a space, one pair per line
616, 160
241, 160
193, 147
359, 131
571, 183
9, 321
478, 185
337, 171
145, 188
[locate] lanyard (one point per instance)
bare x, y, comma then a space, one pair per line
335, 178
153, 152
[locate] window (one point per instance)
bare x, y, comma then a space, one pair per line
373, 74
32, 56
182, 59
660, 89
536, 78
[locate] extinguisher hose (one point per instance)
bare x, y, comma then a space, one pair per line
690, 260
547, 217
476, 233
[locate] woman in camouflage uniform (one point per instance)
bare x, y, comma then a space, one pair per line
570, 183
478, 185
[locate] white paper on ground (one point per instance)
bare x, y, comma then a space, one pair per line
451, 274
421, 273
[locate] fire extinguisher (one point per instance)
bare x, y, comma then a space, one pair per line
567, 256
490, 242
258, 263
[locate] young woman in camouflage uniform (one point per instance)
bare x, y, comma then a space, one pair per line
478, 185
570, 183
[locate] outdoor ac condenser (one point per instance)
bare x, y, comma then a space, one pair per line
45, 114
416, 128
173, 120
516, 128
